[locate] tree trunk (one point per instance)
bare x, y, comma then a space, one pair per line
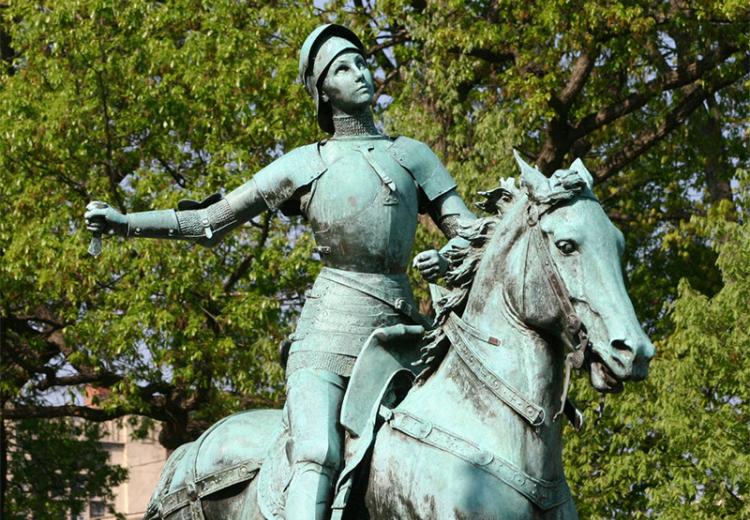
717, 167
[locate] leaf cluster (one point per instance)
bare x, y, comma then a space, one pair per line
144, 103
58, 466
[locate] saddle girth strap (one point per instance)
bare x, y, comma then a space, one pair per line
545, 494
475, 362
193, 492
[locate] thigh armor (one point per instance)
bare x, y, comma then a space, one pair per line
341, 311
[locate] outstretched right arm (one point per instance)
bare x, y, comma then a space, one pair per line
206, 222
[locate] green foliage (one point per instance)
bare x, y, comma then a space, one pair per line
56, 467
143, 103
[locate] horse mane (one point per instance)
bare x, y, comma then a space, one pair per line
463, 261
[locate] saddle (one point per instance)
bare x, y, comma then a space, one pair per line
382, 375
225, 455
220, 458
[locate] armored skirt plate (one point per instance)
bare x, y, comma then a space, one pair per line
338, 319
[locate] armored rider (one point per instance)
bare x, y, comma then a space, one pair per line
361, 192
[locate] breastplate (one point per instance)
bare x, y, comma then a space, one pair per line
363, 209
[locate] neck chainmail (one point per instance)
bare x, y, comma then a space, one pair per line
354, 125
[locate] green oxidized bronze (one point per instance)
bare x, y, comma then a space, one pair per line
361, 192
533, 292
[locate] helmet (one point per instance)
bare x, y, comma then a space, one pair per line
321, 47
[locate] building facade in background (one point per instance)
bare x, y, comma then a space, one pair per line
144, 460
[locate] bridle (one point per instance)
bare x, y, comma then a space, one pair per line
574, 335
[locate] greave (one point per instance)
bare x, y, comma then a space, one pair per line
310, 490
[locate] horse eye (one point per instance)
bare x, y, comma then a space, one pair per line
566, 247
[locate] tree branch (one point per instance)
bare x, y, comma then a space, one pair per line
559, 135
580, 72
248, 260
490, 56
694, 96
109, 144
676, 78
381, 87
101, 378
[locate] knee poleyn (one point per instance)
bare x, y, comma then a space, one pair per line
322, 454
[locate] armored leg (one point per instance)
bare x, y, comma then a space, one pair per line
312, 410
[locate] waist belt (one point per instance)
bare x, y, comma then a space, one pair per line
400, 304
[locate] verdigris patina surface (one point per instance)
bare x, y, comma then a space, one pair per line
536, 288
361, 192
533, 291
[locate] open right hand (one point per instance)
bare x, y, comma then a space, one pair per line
102, 218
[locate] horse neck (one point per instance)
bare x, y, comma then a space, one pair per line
524, 360
495, 305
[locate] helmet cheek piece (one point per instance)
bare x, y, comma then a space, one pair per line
321, 47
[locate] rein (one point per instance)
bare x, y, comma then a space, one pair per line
574, 335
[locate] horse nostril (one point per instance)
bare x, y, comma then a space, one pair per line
623, 350
622, 355
620, 345
632, 358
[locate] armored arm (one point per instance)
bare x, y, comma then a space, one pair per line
204, 222
448, 212
207, 221
440, 200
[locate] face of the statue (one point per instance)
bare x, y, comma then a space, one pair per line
348, 84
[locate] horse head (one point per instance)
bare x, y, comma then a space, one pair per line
554, 261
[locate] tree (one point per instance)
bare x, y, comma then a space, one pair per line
143, 103
55, 468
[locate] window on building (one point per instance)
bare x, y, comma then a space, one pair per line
97, 509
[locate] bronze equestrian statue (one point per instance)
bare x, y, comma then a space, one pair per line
470, 424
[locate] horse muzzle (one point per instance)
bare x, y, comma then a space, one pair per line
626, 359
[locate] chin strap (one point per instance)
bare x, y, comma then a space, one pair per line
575, 337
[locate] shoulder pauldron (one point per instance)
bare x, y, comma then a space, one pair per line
423, 165
278, 181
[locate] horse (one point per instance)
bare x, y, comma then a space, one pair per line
535, 291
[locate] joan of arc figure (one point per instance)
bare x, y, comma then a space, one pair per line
361, 192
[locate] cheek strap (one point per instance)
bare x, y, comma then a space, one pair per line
574, 334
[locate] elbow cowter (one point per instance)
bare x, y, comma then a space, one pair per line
205, 225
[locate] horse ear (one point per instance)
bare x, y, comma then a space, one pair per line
533, 178
583, 172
